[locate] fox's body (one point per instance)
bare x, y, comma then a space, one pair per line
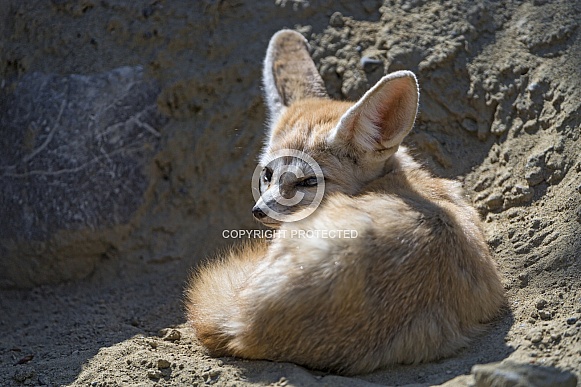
413, 285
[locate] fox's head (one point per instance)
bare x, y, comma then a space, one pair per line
350, 143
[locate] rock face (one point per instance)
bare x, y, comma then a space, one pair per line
75, 154
75, 149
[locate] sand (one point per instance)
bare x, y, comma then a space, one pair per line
101, 304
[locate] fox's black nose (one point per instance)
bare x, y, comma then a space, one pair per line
258, 213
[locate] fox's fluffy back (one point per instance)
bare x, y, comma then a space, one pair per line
413, 286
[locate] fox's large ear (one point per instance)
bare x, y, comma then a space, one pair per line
289, 73
380, 120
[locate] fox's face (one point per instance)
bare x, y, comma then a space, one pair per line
287, 185
317, 146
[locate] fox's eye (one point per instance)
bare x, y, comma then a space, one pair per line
310, 182
266, 175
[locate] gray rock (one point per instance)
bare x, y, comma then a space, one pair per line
541, 303
73, 155
510, 374
172, 335
571, 320
545, 315
337, 20
163, 364
154, 374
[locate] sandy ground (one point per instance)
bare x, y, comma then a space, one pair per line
500, 105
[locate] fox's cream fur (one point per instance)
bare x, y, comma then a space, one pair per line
414, 285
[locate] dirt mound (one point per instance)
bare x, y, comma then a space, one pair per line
500, 104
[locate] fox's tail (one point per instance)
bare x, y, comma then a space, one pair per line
212, 296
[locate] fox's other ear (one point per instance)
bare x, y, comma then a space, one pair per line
381, 119
289, 73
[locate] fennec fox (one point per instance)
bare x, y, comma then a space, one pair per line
415, 283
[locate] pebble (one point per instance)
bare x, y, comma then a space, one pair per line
494, 201
163, 364
545, 315
571, 320
541, 303
536, 337
336, 20
522, 193
173, 335
154, 374
534, 172
211, 376
523, 280
570, 332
